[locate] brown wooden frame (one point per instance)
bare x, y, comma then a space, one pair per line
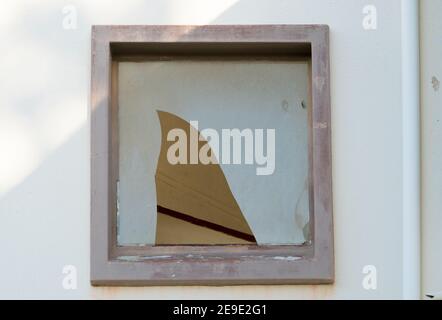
311, 263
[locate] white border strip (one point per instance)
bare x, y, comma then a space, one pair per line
411, 149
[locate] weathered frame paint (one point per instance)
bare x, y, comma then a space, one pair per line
207, 265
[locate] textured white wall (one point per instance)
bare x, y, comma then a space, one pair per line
45, 132
431, 108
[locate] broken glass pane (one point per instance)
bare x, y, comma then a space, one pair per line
213, 152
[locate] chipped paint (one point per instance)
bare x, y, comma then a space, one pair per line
283, 258
319, 83
141, 258
288, 258
320, 125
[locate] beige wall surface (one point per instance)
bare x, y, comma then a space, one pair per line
431, 111
45, 141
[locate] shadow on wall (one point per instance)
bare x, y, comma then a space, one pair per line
45, 219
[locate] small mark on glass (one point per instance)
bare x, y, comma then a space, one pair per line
436, 83
285, 105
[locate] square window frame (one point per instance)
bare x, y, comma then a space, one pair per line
113, 265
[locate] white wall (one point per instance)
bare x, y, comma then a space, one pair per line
45, 133
431, 110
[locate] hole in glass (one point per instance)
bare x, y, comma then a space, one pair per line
256, 192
